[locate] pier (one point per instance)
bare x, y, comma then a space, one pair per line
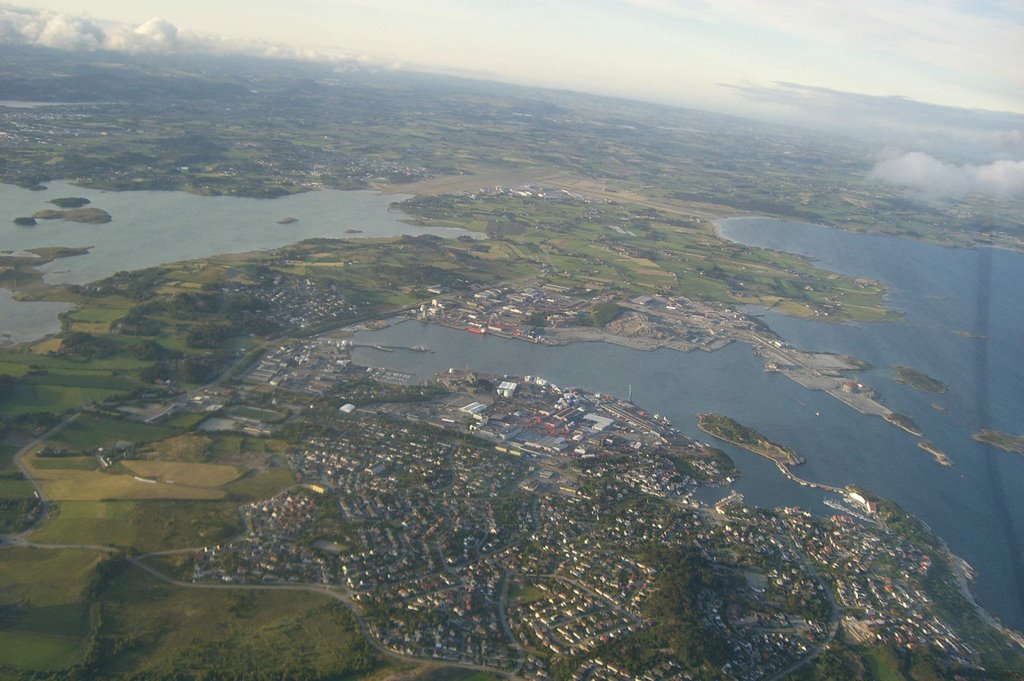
806, 483
392, 348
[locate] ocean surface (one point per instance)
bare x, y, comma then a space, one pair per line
964, 325
152, 228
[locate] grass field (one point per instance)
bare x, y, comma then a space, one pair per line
16, 489
142, 525
193, 447
883, 666
185, 473
63, 484
45, 577
98, 315
29, 399
48, 624
89, 431
35, 651
210, 631
256, 414
261, 484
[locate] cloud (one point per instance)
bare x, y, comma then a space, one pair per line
156, 36
966, 136
70, 33
930, 176
66, 32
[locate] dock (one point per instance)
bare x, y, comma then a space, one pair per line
806, 483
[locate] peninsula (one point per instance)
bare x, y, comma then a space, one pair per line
905, 422
724, 428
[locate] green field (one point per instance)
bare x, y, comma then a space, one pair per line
38, 652
185, 473
98, 315
44, 577
89, 431
16, 489
30, 399
44, 621
142, 525
261, 484
195, 631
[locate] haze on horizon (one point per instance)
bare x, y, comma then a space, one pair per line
935, 86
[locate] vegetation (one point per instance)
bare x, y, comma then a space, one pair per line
1005, 441
917, 380
726, 429
155, 629
70, 202
146, 525
905, 422
656, 251
88, 215
328, 132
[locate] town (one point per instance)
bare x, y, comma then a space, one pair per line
508, 523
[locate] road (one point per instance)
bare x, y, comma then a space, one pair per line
44, 504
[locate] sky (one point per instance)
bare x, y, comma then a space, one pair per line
938, 85
688, 52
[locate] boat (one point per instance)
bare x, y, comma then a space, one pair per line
477, 330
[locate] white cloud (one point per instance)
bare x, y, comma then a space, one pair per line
155, 35
52, 29
69, 33
929, 175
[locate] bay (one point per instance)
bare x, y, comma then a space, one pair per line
155, 227
950, 298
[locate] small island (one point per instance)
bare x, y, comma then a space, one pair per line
938, 454
94, 216
1005, 441
25, 222
905, 422
287, 221
918, 380
724, 428
70, 202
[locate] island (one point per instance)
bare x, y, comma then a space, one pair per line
905, 422
287, 221
940, 456
86, 215
70, 202
918, 380
1005, 441
25, 222
724, 428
